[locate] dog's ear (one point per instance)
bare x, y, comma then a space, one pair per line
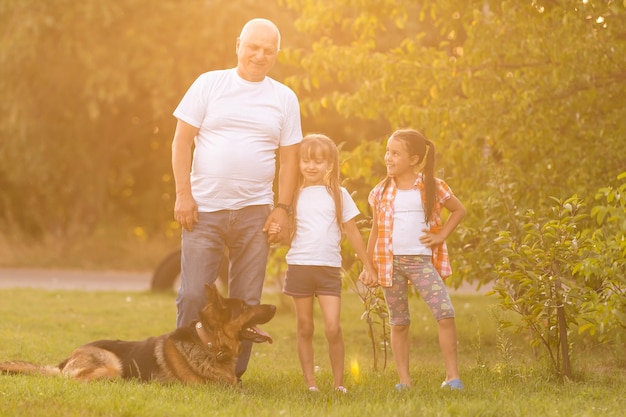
213, 296
211, 293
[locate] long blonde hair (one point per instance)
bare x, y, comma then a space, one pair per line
322, 147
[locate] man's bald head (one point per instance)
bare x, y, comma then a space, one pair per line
254, 24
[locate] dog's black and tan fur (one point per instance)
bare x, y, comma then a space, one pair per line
203, 352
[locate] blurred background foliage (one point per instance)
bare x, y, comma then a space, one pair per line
525, 100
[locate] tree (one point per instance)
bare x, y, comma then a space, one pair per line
521, 98
88, 90
604, 265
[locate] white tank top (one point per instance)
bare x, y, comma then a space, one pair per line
409, 221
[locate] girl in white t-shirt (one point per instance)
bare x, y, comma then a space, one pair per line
322, 210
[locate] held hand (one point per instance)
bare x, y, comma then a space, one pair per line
277, 226
186, 211
373, 274
274, 229
369, 279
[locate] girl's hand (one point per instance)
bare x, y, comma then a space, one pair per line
369, 279
279, 219
430, 239
373, 274
273, 229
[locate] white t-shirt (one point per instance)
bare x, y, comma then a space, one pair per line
409, 221
317, 240
241, 125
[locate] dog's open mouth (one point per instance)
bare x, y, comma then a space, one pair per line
256, 335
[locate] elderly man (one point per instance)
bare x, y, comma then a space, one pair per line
237, 119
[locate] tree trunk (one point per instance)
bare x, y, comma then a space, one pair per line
563, 341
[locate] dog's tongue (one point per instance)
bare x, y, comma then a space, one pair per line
256, 335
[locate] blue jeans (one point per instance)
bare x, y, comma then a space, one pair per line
239, 231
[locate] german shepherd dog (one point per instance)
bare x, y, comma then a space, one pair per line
203, 352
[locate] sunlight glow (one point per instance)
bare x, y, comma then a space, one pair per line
354, 370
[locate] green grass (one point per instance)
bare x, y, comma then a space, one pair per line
44, 326
106, 248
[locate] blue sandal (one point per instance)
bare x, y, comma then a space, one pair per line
454, 384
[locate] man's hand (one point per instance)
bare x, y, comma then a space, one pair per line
186, 211
277, 226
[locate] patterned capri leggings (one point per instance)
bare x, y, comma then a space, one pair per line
420, 271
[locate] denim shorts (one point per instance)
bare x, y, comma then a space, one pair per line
420, 271
309, 280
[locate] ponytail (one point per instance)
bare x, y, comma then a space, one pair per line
430, 185
418, 144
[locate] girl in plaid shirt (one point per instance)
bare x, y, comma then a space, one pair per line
407, 243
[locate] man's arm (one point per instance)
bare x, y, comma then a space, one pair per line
287, 182
185, 207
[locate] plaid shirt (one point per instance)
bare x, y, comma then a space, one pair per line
381, 198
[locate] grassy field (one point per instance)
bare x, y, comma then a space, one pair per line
105, 249
502, 378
